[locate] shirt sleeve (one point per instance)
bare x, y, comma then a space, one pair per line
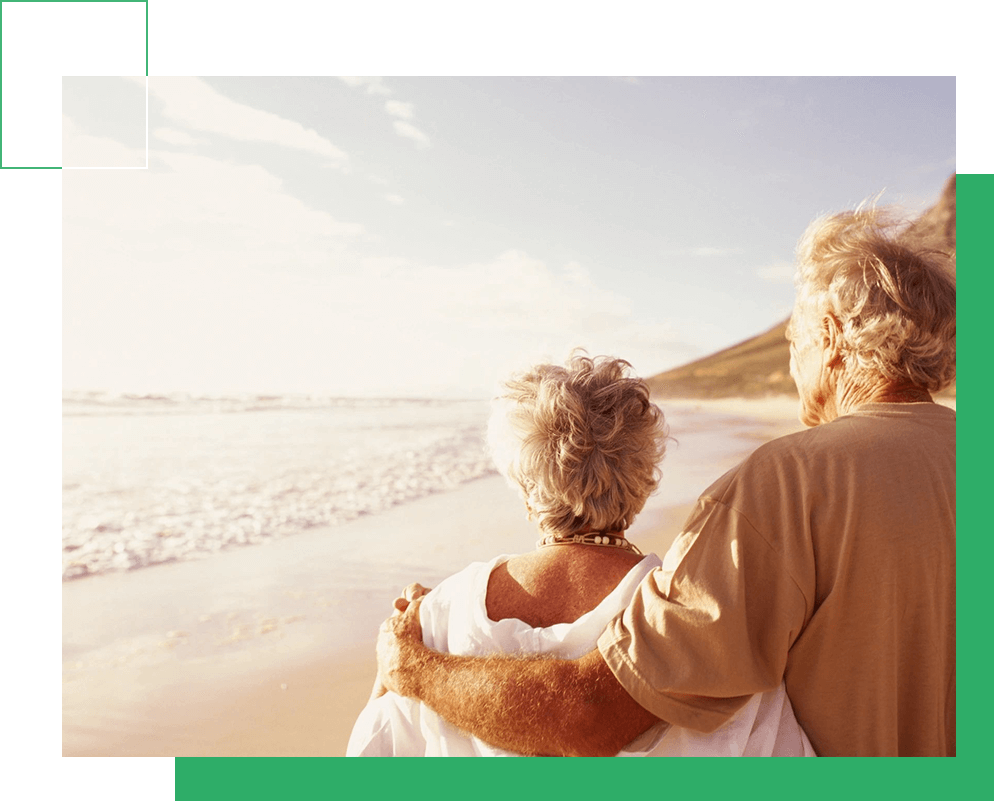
712, 626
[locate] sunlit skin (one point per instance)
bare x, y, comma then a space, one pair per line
814, 363
535, 706
817, 365
578, 708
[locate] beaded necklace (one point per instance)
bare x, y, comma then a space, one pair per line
590, 538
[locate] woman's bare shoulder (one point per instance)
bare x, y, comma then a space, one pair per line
555, 585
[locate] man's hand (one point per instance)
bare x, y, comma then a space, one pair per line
398, 641
411, 592
535, 706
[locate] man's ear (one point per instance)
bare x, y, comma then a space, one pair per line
831, 329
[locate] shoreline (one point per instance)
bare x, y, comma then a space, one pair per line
772, 408
247, 689
200, 650
269, 650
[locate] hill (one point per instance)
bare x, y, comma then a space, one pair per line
760, 365
753, 368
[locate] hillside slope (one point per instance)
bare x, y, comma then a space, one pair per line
756, 367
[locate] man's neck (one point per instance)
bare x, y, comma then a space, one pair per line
853, 395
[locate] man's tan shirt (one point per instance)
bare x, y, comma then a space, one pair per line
827, 559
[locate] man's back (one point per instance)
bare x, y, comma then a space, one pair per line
874, 670
827, 558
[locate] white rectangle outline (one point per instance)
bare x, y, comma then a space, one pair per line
146, 144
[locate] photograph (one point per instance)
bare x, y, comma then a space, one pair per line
626, 383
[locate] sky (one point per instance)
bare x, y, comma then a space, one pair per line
428, 236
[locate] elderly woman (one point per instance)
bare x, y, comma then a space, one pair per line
582, 443
826, 560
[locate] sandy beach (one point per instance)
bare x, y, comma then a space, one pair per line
263, 651
268, 650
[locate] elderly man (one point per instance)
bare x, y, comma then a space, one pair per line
825, 560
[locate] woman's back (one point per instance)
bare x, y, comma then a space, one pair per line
556, 584
506, 606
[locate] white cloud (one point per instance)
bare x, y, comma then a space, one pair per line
517, 291
489, 318
409, 131
704, 251
373, 86
397, 109
394, 108
193, 103
173, 137
941, 167
397, 200
81, 150
578, 274
382, 265
208, 276
708, 251
779, 272
200, 213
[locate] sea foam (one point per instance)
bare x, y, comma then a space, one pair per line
152, 479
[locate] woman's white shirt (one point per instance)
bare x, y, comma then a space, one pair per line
454, 620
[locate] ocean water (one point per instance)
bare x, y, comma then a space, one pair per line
153, 479
244, 496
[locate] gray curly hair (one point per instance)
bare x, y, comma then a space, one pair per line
583, 443
896, 305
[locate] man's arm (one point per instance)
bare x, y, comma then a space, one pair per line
539, 706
